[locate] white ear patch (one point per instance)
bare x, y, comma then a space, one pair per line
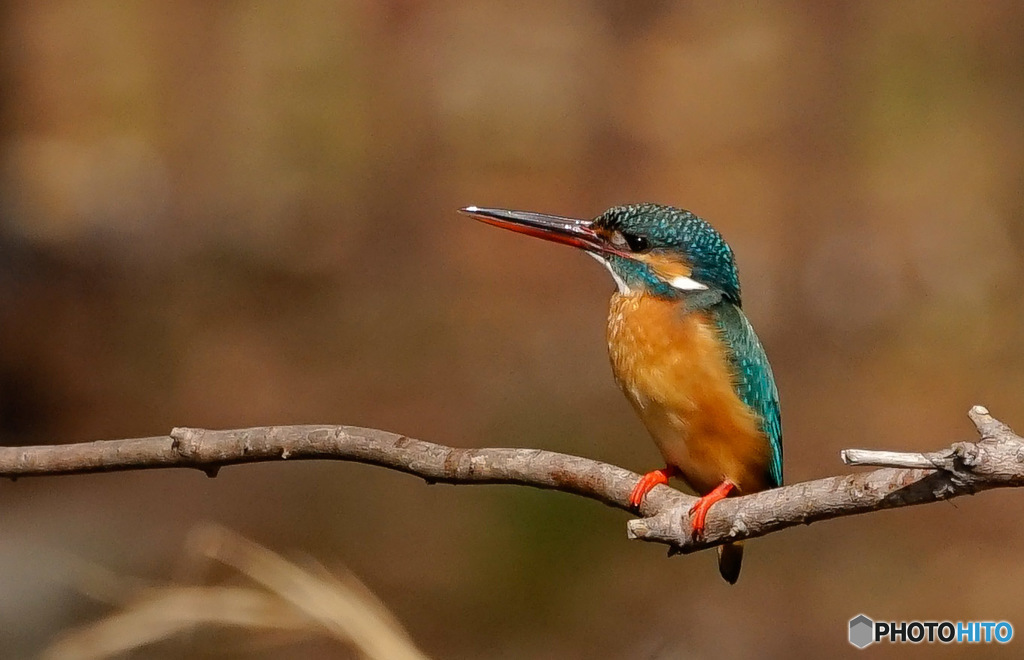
686, 284
680, 282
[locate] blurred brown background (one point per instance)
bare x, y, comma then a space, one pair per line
242, 213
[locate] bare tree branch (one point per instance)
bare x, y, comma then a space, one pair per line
996, 461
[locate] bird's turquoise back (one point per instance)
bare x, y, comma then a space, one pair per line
755, 383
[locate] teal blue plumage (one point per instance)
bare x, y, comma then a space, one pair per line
669, 228
755, 383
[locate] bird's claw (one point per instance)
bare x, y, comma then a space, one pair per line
647, 484
700, 508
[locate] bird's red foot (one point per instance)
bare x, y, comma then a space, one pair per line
648, 482
699, 511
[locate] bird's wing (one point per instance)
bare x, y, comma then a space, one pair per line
755, 383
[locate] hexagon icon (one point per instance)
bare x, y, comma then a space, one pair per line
862, 631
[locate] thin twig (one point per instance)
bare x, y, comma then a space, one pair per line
996, 461
936, 460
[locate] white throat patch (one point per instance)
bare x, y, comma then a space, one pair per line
619, 282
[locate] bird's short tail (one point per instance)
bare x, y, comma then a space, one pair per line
730, 558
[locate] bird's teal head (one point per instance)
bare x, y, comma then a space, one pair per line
665, 251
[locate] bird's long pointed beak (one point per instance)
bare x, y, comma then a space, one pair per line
568, 231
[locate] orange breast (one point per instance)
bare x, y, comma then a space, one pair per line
673, 368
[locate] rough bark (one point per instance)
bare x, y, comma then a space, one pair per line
995, 461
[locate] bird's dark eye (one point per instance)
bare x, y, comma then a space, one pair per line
636, 243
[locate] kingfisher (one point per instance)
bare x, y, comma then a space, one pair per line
681, 349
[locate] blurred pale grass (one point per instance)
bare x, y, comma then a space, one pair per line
285, 598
